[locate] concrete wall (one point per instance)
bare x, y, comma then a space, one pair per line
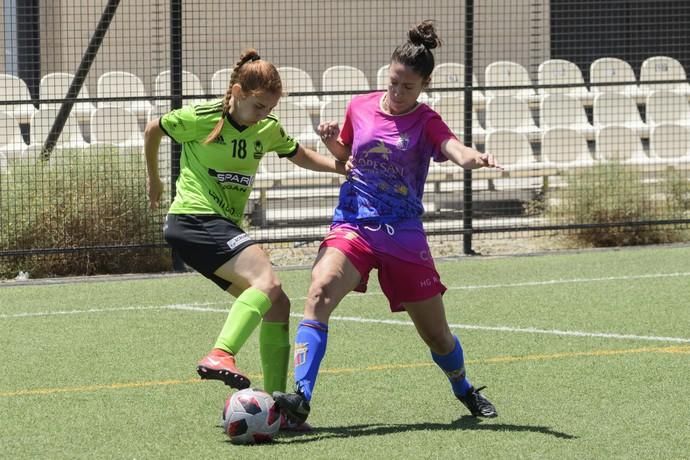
312, 35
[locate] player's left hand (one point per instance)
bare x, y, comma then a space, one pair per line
349, 166
486, 160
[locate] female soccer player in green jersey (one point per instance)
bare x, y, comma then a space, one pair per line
222, 145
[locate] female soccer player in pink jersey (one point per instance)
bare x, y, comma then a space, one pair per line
389, 139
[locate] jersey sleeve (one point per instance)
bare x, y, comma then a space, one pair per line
181, 125
437, 132
282, 143
347, 131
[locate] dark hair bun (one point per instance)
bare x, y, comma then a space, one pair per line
248, 55
423, 34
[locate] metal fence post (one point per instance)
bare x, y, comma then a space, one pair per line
467, 128
175, 101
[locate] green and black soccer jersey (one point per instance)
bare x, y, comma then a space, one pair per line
217, 178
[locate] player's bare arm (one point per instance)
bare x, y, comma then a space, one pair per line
310, 159
467, 157
152, 140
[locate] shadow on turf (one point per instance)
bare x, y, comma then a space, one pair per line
466, 422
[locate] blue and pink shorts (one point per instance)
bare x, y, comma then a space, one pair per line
399, 252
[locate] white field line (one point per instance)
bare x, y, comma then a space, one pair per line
526, 330
573, 281
101, 310
371, 293
204, 307
199, 308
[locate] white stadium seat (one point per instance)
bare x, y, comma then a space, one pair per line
124, 84
620, 145
510, 147
514, 152
452, 75
191, 85
296, 80
452, 110
511, 113
618, 109
382, 77
115, 126
613, 70
565, 148
658, 68
14, 89
55, 86
667, 107
343, 78
42, 121
12, 144
508, 73
562, 72
564, 111
220, 82
70, 145
670, 143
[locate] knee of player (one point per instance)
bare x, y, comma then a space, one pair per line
282, 302
273, 288
320, 295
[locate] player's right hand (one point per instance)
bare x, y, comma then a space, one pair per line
328, 130
155, 191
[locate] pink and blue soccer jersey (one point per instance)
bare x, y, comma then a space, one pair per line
377, 224
391, 155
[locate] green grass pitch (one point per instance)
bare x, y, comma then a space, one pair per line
585, 355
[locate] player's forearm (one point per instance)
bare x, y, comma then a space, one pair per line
462, 155
337, 149
152, 141
313, 161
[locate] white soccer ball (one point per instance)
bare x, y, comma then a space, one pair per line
250, 416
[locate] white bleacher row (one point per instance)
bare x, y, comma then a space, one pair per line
607, 74
560, 148
504, 109
504, 143
502, 112
604, 73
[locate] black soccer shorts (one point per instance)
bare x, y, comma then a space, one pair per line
205, 242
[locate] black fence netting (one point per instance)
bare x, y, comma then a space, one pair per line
584, 103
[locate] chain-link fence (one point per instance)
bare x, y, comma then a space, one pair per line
585, 103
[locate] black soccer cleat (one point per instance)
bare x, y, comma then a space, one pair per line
293, 405
478, 405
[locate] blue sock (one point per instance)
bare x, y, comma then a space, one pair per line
453, 364
310, 348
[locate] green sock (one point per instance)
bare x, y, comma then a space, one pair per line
274, 346
244, 316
